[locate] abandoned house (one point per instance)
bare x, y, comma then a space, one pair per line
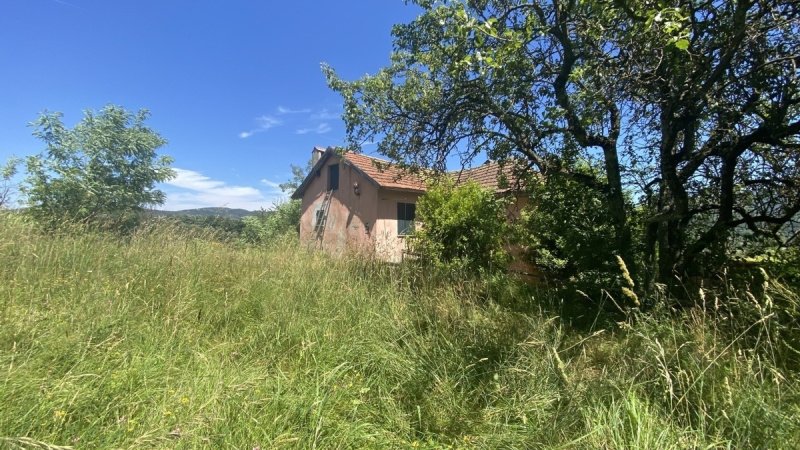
356, 203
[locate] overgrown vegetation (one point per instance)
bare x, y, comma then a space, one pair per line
103, 171
172, 340
571, 237
687, 114
268, 227
464, 228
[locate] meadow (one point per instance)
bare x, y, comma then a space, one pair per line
172, 339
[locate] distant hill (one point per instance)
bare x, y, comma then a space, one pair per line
233, 213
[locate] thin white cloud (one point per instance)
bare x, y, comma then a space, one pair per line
62, 2
324, 114
191, 189
263, 123
283, 110
270, 183
267, 122
322, 128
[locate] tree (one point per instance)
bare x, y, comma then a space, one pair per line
502, 77
461, 226
720, 117
7, 173
298, 175
104, 170
689, 107
284, 219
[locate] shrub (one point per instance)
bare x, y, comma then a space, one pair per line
461, 227
268, 226
570, 233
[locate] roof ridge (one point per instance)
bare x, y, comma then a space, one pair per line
350, 152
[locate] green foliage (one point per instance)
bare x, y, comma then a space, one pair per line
462, 226
103, 171
269, 226
298, 175
7, 173
167, 340
570, 233
694, 104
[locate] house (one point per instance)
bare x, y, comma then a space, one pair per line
356, 203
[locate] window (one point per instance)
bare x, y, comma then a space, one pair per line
405, 218
319, 218
333, 177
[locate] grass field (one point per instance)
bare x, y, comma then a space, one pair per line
170, 340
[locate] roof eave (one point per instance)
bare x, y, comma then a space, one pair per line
404, 189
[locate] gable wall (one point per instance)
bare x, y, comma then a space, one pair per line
351, 217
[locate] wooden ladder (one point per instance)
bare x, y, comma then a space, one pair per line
322, 215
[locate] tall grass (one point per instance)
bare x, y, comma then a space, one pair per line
173, 340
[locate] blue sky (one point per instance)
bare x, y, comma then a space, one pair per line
234, 86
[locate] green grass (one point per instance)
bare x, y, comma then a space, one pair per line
172, 340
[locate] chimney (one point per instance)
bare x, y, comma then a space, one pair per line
316, 154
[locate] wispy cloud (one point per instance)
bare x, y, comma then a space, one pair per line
322, 128
62, 2
283, 110
318, 119
263, 123
325, 114
191, 189
270, 183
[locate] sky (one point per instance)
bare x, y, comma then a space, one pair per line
234, 86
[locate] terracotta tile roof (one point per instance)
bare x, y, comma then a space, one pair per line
386, 174
490, 175
389, 176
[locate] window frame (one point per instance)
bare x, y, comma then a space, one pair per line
333, 168
405, 226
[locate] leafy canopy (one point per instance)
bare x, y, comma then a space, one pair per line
105, 169
690, 108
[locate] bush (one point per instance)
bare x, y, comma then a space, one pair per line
570, 233
269, 226
461, 227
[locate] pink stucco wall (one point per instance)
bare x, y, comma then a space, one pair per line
351, 217
388, 245
363, 222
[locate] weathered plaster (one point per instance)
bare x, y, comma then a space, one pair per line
352, 214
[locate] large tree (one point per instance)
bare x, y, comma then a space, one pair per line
689, 106
720, 124
104, 169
